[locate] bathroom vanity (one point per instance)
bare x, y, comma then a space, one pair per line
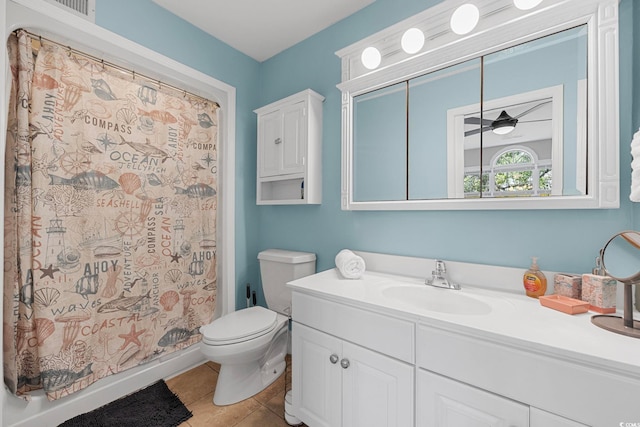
388, 350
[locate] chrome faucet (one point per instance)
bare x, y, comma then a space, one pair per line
439, 279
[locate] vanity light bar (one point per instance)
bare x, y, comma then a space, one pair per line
464, 19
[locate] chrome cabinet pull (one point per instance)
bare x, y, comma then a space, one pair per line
277, 141
333, 358
344, 363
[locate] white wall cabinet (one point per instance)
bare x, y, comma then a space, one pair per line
337, 383
289, 169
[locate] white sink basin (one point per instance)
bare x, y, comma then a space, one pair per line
439, 300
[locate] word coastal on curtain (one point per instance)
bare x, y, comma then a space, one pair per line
110, 220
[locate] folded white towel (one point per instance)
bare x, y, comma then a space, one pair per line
350, 265
635, 168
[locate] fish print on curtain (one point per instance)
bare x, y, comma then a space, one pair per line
110, 220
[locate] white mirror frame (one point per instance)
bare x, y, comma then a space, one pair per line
501, 25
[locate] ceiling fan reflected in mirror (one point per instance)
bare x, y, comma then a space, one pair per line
504, 123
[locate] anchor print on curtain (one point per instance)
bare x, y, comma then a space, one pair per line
110, 220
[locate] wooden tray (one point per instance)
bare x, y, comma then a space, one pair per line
564, 304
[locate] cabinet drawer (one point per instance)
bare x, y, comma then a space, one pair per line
388, 335
565, 387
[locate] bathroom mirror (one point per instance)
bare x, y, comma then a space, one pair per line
379, 165
427, 131
621, 257
621, 260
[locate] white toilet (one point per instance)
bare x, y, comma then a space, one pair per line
251, 344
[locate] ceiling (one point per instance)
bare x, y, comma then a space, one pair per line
262, 28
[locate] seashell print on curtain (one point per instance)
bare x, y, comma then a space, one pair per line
110, 220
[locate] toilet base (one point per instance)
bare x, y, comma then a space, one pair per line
238, 382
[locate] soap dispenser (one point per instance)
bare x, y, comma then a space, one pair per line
535, 282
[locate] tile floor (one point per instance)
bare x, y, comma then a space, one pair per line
195, 389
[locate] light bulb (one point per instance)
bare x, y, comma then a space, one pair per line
503, 130
412, 40
464, 19
371, 58
526, 4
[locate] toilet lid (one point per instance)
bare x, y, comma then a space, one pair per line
240, 325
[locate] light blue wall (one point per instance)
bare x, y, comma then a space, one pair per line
563, 240
148, 24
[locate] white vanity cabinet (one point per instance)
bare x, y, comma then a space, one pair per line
337, 381
521, 365
289, 150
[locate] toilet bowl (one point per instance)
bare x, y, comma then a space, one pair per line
251, 344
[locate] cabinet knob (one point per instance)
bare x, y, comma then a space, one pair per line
344, 363
333, 358
277, 141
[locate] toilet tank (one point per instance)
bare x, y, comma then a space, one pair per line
277, 267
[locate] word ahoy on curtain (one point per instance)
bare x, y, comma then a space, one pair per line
110, 219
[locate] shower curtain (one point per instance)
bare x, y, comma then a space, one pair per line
110, 219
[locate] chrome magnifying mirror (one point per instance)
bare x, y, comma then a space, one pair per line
621, 261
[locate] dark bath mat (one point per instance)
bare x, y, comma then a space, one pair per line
155, 406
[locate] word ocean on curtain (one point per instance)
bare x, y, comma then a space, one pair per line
110, 220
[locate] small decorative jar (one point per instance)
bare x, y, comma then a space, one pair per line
599, 292
568, 285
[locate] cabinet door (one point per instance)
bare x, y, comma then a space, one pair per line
443, 402
294, 138
316, 377
540, 418
269, 143
377, 390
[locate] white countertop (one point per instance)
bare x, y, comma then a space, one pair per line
514, 320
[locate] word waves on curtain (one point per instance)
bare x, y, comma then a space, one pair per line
110, 220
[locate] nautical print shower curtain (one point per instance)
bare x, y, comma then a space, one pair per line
110, 220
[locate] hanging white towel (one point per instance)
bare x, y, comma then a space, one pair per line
635, 168
350, 265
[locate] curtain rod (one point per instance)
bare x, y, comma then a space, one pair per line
104, 63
